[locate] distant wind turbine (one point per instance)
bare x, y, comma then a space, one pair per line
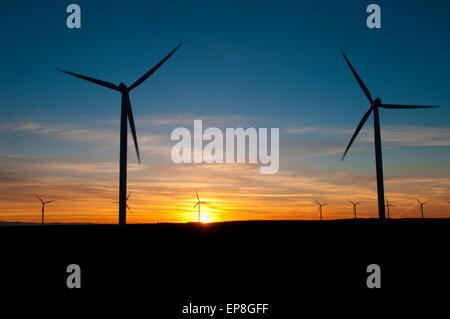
320, 207
126, 201
43, 206
421, 206
354, 206
126, 113
374, 106
198, 204
388, 205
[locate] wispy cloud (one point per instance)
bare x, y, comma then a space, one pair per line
301, 130
415, 135
235, 191
187, 120
85, 188
66, 132
405, 135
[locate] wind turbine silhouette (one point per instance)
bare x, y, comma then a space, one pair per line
320, 207
354, 206
43, 205
421, 205
126, 113
388, 205
127, 207
374, 106
198, 203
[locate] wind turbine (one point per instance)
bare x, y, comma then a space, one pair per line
354, 206
421, 206
126, 202
320, 207
374, 106
198, 203
126, 113
43, 206
388, 205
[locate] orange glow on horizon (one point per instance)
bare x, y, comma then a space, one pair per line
219, 211
233, 193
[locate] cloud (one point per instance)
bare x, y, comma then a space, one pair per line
404, 135
235, 191
66, 132
301, 130
415, 135
187, 120
85, 188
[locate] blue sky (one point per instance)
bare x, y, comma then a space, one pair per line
245, 62
277, 58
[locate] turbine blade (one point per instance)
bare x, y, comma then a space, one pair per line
204, 203
361, 83
398, 106
152, 70
197, 196
325, 204
195, 205
133, 128
39, 198
358, 128
351, 202
50, 201
96, 81
418, 201
426, 202
128, 195
358, 203
317, 202
129, 209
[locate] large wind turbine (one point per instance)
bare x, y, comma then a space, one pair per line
421, 206
198, 204
43, 206
126, 113
388, 205
354, 206
374, 106
320, 207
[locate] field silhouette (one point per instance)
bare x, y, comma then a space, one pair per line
276, 262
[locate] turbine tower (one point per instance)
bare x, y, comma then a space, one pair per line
374, 107
320, 207
126, 113
198, 204
421, 206
43, 206
354, 206
388, 205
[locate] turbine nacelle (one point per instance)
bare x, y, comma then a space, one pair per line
377, 102
122, 87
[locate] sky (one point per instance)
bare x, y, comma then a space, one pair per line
273, 64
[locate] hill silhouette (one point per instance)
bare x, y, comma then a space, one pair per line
275, 262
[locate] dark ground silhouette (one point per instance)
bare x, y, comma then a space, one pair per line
294, 266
